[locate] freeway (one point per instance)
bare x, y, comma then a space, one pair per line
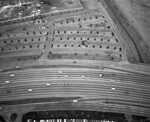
81, 58
110, 87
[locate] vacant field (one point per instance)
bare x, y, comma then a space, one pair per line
138, 12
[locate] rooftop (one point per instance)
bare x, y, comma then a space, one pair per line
33, 8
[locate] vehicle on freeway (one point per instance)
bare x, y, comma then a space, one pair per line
83, 62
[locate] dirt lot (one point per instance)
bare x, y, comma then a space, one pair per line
138, 12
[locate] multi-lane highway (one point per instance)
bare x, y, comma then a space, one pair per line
78, 59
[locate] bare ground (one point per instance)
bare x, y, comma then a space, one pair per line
138, 13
